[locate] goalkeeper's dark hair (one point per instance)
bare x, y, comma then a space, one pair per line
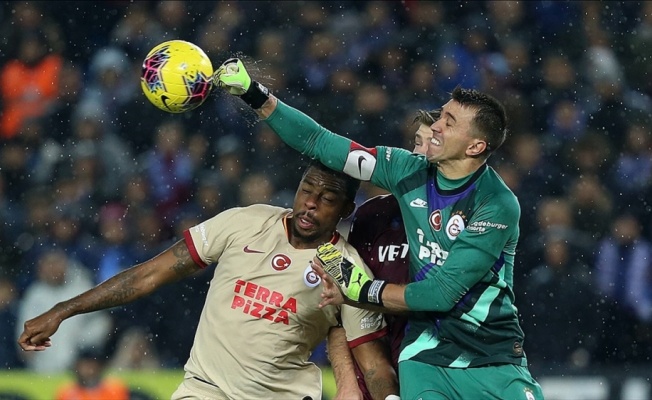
351, 184
490, 119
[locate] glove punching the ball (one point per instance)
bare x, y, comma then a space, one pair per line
353, 280
233, 77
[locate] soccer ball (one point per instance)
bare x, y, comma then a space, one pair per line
177, 76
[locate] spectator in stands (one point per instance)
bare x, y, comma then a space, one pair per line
135, 351
631, 175
174, 19
256, 188
115, 251
169, 169
549, 303
509, 19
59, 278
69, 89
270, 154
231, 165
554, 217
208, 199
9, 359
372, 104
14, 163
111, 83
41, 151
138, 31
559, 82
28, 83
639, 41
538, 177
93, 136
623, 268
12, 216
67, 232
27, 18
592, 205
148, 235
566, 124
90, 380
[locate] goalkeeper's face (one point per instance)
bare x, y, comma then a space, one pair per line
319, 205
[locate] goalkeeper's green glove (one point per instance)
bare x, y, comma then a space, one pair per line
233, 77
353, 280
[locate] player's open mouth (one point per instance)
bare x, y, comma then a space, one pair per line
305, 223
435, 141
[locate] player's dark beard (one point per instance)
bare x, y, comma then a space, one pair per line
306, 238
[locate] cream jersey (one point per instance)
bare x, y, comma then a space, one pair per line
261, 318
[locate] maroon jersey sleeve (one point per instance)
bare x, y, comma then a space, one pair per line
377, 233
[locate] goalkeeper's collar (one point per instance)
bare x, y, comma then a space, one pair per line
334, 239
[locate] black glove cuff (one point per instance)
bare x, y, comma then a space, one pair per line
256, 95
372, 292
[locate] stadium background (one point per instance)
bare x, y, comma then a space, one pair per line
87, 166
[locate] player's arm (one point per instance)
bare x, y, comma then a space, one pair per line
294, 127
342, 361
338, 289
471, 257
346, 283
373, 359
172, 265
464, 268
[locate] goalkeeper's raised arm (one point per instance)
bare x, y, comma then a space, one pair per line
295, 128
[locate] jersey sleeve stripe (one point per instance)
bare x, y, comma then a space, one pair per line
193, 250
368, 338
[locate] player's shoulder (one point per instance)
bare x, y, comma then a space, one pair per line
498, 192
496, 184
264, 209
257, 214
246, 221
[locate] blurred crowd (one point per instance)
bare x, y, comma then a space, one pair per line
94, 178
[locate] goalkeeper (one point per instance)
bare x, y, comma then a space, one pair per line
463, 338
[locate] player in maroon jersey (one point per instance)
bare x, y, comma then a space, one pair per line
378, 234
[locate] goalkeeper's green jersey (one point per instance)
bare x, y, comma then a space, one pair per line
462, 239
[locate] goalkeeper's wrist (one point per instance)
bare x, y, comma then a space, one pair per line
372, 292
256, 95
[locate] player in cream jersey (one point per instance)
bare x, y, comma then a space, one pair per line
261, 318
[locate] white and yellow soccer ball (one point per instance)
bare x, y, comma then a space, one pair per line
177, 76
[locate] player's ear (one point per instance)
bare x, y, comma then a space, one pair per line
476, 148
